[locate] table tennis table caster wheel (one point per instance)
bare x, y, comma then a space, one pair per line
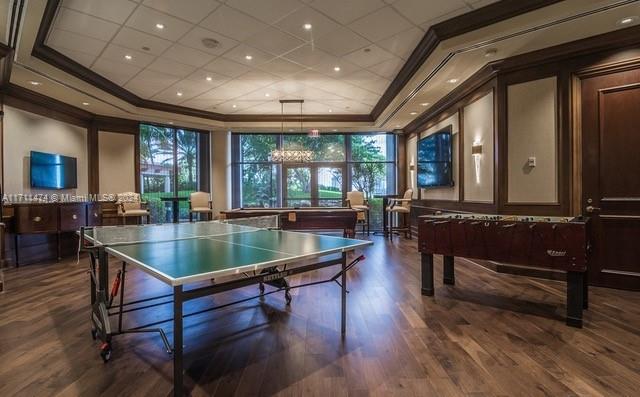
287, 297
105, 352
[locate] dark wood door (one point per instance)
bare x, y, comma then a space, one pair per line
611, 176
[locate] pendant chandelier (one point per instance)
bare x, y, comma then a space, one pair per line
287, 155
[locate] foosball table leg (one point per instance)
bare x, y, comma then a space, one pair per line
427, 274
575, 298
448, 273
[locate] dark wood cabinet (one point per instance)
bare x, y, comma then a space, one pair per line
35, 218
72, 216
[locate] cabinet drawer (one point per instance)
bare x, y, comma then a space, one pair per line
93, 215
72, 217
36, 219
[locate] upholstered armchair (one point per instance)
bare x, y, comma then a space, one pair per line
356, 200
200, 203
400, 206
130, 205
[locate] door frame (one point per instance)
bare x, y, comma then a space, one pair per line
313, 167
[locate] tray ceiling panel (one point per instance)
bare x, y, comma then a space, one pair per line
241, 56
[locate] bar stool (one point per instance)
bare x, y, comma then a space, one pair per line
356, 200
400, 206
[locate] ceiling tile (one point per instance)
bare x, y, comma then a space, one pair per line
136, 40
381, 24
346, 11
193, 10
145, 20
268, 11
202, 104
236, 105
80, 57
148, 83
113, 10
187, 55
73, 41
307, 56
388, 69
274, 41
226, 67
272, 107
232, 23
205, 78
116, 71
316, 93
368, 56
419, 11
230, 90
347, 106
239, 55
74, 21
341, 41
117, 54
261, 79
171, 67
403, 43
427, 24
294, 23
287, 86
263, 94
194, 39
188, 91
281, 67
367, 80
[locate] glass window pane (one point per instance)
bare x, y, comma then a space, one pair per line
298, 186
373, 147
330, 186
187, 157
259, 185
257, 147
156, 169
324, 147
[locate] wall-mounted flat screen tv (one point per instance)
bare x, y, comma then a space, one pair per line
53, 171
435, 159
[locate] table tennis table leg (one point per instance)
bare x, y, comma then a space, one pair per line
344, 295
177, 341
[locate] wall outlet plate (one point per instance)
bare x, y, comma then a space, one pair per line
531, 162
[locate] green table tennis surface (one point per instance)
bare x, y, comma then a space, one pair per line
182, 253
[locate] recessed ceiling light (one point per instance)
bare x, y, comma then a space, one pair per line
248, 57
85, 103
171, 122
334, 130
234, 106
336, 68
330, 111
425, 104
307, 26
627, 20
178, 93
32, 82
290, 130
452, 81
397, 125
209, 78
159, 25
128, 57
267, 94
413, 113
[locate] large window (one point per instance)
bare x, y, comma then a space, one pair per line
173, 163
339, 163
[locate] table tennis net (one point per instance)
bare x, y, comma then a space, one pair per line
120, 235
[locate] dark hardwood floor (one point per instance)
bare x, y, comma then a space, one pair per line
491, 334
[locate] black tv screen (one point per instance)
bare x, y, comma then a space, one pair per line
435, 159
53, 171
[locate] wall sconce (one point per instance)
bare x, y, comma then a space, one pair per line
476, 149
476, 152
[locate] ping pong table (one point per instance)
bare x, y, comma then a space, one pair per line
216, 256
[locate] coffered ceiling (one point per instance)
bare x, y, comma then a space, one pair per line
241, 56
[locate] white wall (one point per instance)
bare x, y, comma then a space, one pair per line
116, 154
532, 132
24, 132
478, 169
220, 171
446, 193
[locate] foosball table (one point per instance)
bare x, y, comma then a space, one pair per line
557, 243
